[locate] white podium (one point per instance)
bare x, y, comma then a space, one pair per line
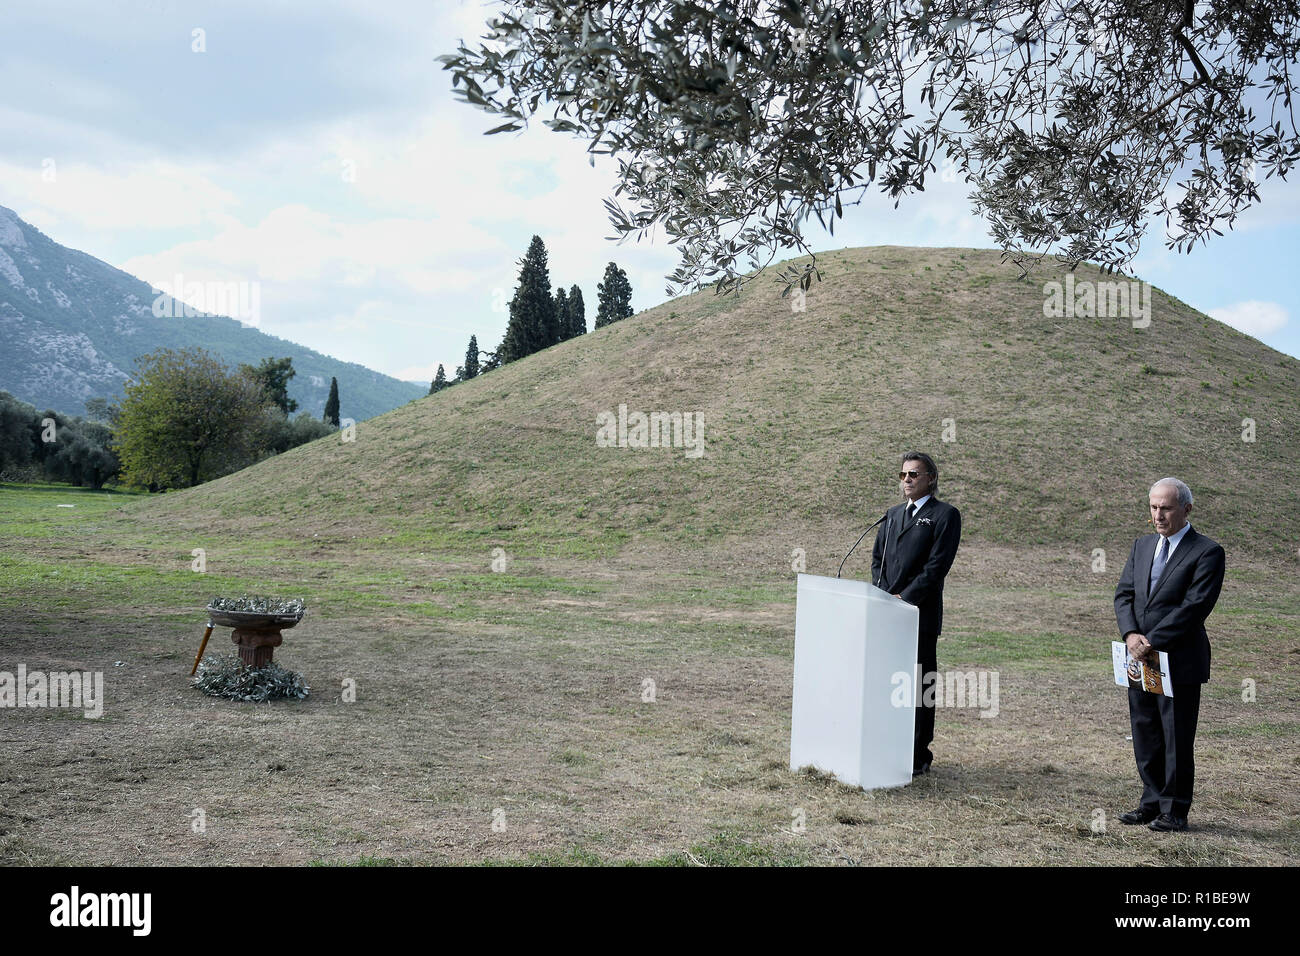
850, 640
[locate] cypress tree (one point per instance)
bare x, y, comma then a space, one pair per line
439, 380
332, 403
471, 358
533, 324
614, 296
577, 313
562, 313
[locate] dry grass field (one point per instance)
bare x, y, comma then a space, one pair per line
518, 696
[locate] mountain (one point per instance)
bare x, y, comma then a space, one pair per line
1048, 430
72, 326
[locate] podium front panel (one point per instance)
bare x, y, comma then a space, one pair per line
854, 645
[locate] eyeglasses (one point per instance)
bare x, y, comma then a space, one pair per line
910, 474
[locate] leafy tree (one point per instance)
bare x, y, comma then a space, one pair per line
577, 313
532, 326
1075, 122
332, 403
471, 367
17, 441
97, 410
79, 451
272, 376
491, 360
613, 296
43, 451
285, 433
185, 419
439, 381
82, 454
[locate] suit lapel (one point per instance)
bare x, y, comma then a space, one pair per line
1184, 548
904, 524
897, 515
1144, 557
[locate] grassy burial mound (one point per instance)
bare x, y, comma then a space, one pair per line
1054, 424
596, 640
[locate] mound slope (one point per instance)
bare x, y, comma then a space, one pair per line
1047, 429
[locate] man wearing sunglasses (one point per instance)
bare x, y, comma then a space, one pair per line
914, 549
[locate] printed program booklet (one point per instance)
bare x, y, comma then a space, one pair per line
1141, 674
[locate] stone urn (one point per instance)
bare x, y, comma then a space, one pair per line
256, 633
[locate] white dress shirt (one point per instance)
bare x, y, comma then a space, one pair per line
1174, 541
915, 505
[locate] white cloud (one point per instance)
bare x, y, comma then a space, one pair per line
153, 194
297, 244
425, 373
1253, 318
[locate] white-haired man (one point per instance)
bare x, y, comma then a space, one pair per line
1169, 587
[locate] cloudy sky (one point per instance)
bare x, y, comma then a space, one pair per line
315, 148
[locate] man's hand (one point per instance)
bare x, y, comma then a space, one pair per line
1138, 645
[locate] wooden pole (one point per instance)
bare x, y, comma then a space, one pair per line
202, 648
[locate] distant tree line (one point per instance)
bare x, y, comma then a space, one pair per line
540, 318
50, 446
184, 419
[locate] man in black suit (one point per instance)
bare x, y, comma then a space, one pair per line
914, 549
1169, 587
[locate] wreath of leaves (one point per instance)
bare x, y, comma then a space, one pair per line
228, 677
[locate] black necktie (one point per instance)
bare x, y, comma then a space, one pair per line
911, 512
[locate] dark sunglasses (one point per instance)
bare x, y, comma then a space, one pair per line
910, 474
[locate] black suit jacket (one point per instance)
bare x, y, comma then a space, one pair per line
911, 558
1173, 616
